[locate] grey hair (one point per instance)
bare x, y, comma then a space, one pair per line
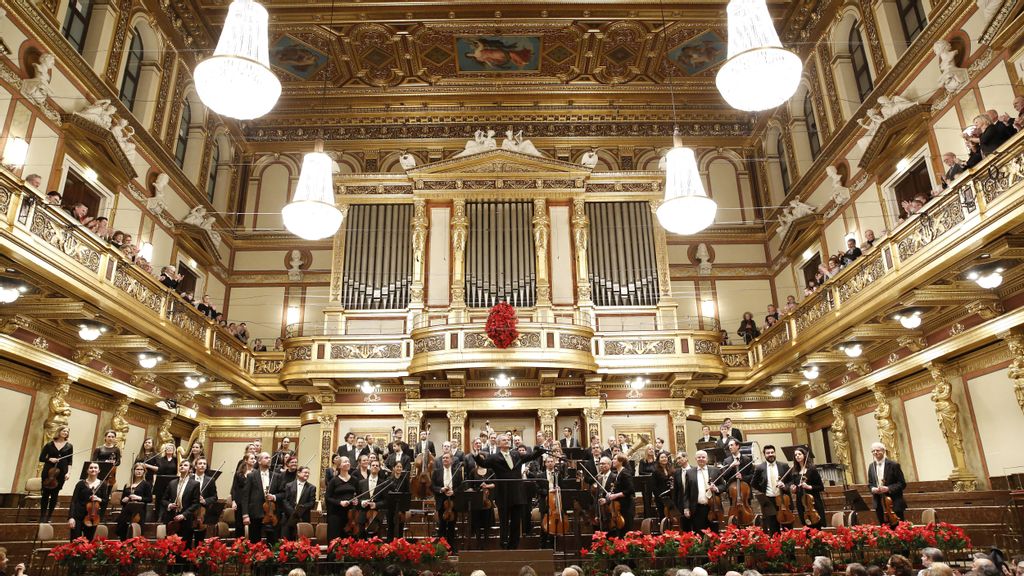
933, 554
822, 564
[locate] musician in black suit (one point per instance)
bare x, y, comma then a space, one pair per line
885, 477
805, 480
424, 444
444, 483
734, 432
591, 464
507, 467
705, 435
569, 439
735, 463
619, 488
546, 483
180, 501
299, 492
348, 449
257, 491
372, 489
700, 487
680, 485
207, 493
769, 479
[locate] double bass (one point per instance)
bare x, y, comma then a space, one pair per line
420, 484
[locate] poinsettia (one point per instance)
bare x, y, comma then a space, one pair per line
501, 325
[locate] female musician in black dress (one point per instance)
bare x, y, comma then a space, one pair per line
167, 463
399, 485
340, 492
663, 472
805, 479
148, 455
196, 453
481, 520
247, 465
91, 489
108, 452
137, 490
57, 454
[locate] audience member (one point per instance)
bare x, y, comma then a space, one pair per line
206, 307
724, 336
790, 304
899, 566
396, 570
80, 212
988, 135
821, 566
53, 198
297, 572
811, 288
699, 571
769, 321
751, 573
875, 571
278, 345
259, 346
953, 168
748, 328
930, 556
478, 573
99, 227
19, 570
354, 571
527, 571
1018, 105
117, 239
938, 569
243, 333
621, 569
855, 569
169, 277
34, 180
572, 571
852, 252
869, 240
831, 269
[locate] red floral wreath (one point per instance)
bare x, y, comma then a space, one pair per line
501, 325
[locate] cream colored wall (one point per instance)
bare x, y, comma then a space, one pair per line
738, 253
835, 236
562, 261
260, 309
215, 288
997, 417
247, 260
692, 433
316, 298
684, 296
818, 446
380, 427
735, 297
931, 455
230, 453
136, 434
721, 184
867, 433
41, 151
274, 191
13, 427
777, 439
438, 272
308, 451
84, 434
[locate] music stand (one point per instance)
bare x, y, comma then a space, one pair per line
790, 451
104, 470
575, 453
709, 445
466, 501
855, 502
715, 455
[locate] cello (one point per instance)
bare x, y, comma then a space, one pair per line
554, 520
420, 485
739, 495
784, 505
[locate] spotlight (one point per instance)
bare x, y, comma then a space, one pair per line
637, 383
11, 290
193, 381
909, 318
777, 392
89, 330
810, 371
226, 400
503, 381
367, 388
852, 349
987, 278
148, 360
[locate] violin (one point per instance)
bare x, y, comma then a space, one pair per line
352, 526
51, 481
784, 505
811, 516
270, 506
614, 509
92, 514
554, 520
890, 513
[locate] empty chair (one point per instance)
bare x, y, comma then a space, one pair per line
101, 533
43, 534
223, 530
928, 516
304, 530
161, 531
645, 525
837, 520
321, 533
33, 494
136, 530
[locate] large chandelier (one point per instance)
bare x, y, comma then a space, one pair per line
759, 73
687, 208
237, 81
311, 214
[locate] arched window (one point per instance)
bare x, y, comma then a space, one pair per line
76, 23
912, 18
812, 126
780, 147
181, 142
211, 179
859, 59
132, 70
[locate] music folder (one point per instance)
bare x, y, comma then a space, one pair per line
398, 501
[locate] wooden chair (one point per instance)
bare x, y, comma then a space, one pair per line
305, 530
838, 520
101, 533
928, 516
161, 531
321, 532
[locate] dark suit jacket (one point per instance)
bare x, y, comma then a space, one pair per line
992, 138
253, 495
569, 443
208, 489
508, 493
189, 500
287, 502
430, 447
350, 453
812, 478
623, 482
892, 477
952, 173
729, 474
591, 470
692, 484
378, 492
760, 481
437, 483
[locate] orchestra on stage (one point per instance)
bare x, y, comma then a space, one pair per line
370, 489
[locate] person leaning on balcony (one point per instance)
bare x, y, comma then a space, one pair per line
852, 252
53, 198
988, 136
1018, 105
953, 168
748, 328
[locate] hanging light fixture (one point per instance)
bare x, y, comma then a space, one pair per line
637, 383
852, 349
90, 330
237, 81
909, 318
11, 289
686, 208
759, 74
312, 215
810, 371
149, 360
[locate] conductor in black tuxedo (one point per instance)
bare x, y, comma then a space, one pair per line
180, 501
700, 486
257, 491
769, 480
509, 491
299, 492
886, 479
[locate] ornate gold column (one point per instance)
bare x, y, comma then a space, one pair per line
60, 411
165, 431
666, 309
581, 238
460, 228
541, 234
334, 314
1015, 342
886, 425
119, 422
948, 415
419, 254
456, 424
840, 443
593, 416
413, 418
678, 417
328, 446
548, 421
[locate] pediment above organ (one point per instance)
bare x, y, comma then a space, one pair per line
499, 162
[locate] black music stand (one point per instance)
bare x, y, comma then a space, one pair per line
575, 453
715, 455
855, 502
644, 485
790, 451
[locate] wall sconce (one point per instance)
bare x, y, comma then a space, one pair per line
15, 153
909, 318
851, 349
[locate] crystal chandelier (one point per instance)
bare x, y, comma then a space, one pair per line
312, 215
237, 81
687, 208
759, 73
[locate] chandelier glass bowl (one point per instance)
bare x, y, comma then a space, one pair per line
759, 73
687, 208
312, 215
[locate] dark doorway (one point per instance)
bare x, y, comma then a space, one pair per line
913, 183
188, 279
810, 268
76, 190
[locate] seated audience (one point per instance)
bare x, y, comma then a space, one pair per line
869, 241
822, 566
99, 227
769, 321
80, 212
855, 569
899, 566
938, 569
144, 264
117, 239
929, 556
811, 288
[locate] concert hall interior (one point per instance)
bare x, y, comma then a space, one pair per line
509, 275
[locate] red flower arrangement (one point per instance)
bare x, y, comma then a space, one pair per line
501, 325
210, 553
300, 551
400, 551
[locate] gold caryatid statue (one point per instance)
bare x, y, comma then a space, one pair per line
60, 410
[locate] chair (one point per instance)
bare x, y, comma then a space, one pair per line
43, 534
928, 516
33, 492
161, 531
101, 533
223, 530
645, 525
838, 520
304, 530
321, 532
228, 516
136, 530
